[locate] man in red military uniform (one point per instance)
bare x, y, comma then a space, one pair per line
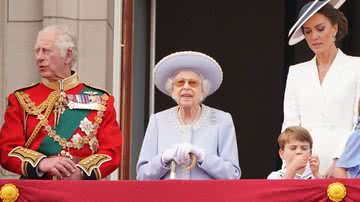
59, 128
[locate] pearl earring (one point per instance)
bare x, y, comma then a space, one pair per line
334, 38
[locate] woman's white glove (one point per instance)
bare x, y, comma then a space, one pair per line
168, 155
184, 151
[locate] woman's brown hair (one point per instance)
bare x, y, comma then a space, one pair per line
336, 17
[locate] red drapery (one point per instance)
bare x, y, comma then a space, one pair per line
176, 191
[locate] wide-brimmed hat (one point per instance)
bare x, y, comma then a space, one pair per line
188, 60
307, 12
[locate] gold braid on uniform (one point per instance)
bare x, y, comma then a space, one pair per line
30, 108
27, 156
85, 139
49, 104
93, 163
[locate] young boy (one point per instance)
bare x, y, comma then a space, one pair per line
295, 149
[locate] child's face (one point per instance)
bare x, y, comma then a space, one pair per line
294, 148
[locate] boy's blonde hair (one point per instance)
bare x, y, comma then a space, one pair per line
294, 133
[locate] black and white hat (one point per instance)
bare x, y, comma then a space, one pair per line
305, 14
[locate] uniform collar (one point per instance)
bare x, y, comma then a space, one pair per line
68, 83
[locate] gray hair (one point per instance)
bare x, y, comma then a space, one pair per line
64, 40
205, 84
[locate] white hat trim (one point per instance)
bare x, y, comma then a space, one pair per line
300, 19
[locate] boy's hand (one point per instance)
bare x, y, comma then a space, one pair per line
314, 166
298, 163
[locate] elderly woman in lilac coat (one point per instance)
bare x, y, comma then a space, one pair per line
191, 132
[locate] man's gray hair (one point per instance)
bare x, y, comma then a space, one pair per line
65, 39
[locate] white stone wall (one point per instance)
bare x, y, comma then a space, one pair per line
20, 21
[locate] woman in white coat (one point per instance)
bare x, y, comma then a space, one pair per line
321, 94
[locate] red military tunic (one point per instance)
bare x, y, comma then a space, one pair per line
95, 145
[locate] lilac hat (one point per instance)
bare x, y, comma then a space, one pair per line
305, 14
187, 60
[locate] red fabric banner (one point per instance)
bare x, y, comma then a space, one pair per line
180, 191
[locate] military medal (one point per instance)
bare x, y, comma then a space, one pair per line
86, 126
84, 101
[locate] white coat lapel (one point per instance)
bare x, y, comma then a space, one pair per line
314, 73
334, 73
319, 97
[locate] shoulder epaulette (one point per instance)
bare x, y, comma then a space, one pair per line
27, 87
99, 89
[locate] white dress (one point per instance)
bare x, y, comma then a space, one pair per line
328, 110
